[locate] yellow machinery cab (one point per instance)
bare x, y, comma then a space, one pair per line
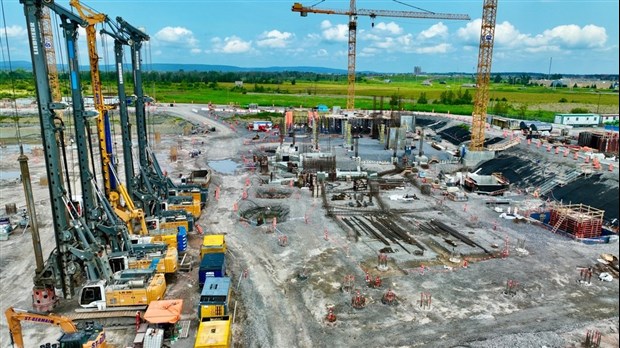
136, 292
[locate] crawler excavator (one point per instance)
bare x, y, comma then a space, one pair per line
80, 260
81, 335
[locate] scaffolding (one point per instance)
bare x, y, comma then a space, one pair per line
579, 220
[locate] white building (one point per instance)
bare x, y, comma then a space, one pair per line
585, 120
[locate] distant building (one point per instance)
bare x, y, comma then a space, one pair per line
607, 118
559, 83
322, 108
535, 126
583, 120
505, 122
417, 70
24, 102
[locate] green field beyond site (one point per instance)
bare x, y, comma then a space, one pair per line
446, 94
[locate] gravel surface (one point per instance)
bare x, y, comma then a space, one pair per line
275, 307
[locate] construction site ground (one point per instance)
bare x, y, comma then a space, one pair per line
507, 283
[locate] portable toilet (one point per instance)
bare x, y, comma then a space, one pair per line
181, 239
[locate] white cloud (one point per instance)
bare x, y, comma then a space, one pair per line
390, 38
563, 37
470, 33
231, 45
339, 32
572, 36
405, 40
321, 52
436, 30
14, 31
177, 36
440, 48
274, 39
387, 28
325, 24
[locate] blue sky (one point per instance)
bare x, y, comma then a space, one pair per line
577, 37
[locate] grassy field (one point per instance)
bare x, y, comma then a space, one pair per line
30, 131
527, 102
518, 101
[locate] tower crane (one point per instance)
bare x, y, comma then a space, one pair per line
353, 12
50, 54
485, 56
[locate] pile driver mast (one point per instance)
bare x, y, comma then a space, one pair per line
103, 124
113, 188
157, 190
353, 12
485, 56
77, 252
81, 252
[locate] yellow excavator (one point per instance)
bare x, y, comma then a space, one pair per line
86, 335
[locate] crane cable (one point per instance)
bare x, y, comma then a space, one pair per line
8, 52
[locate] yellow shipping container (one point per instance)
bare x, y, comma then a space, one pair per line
214, 333
212, 243
210, 311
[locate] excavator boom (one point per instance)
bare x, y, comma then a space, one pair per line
90, 336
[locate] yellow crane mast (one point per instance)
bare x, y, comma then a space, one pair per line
129, 212
93, 19
50, 54
485, 56
353, 12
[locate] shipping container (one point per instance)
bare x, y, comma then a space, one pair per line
214, 297
211, 265
214, 333
212, 243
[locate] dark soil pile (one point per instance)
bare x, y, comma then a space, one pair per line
425, 122
492, 141
455, 135
596, 191
519, 171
